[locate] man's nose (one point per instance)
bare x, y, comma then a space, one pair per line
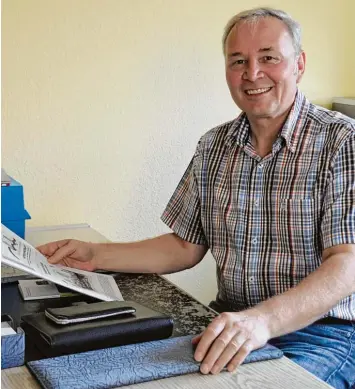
252, 71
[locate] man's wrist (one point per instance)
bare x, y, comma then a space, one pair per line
97, 257
267, 318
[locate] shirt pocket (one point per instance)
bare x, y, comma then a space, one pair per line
296, 226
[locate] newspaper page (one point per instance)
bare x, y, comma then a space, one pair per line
18, 253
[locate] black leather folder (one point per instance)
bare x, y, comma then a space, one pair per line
53, 339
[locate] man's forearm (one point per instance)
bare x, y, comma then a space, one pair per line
164, 254
311, 298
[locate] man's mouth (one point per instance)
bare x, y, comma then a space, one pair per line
260, 91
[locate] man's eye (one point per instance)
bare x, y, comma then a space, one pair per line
269, 58
239, 62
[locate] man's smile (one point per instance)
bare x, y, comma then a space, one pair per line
256, 92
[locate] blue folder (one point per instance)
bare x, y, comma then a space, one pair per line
13, 212
127, 365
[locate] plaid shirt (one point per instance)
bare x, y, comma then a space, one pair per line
267, 220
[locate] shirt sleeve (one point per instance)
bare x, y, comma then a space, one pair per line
338, 223
183, 212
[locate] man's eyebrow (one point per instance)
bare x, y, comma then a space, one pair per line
239, 54
236, 54
266, 49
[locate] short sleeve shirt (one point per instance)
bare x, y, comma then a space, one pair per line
268, 220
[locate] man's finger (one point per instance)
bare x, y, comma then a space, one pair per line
196, 339
50, 248
60, 254
228, 353
208, 337
211, 363
239, 358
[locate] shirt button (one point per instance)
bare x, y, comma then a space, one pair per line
251, 280
260, 166
254, 241
256, 203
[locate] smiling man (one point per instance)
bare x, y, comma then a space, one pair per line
272, 195
263, 68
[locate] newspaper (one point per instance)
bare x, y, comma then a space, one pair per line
19, 254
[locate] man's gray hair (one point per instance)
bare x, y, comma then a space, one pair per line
253, 15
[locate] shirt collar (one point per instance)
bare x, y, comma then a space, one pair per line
290, 132
239, 131
295, 121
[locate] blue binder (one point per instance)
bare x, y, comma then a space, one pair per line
13, 212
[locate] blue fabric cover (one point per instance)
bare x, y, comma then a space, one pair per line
126, 365
13, 350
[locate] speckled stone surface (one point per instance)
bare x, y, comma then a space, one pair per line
190, 317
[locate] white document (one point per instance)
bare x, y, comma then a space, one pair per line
6, 329
18, 253
37, 289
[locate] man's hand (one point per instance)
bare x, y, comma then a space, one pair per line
229, 339
71, 253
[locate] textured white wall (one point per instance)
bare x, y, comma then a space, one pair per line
103, 102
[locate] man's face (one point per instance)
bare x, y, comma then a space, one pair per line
262, 69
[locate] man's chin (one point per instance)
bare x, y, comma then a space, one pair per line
257, 109
259, 114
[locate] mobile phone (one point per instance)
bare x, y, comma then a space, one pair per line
88, 312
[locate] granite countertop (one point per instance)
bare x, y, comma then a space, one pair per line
190, 316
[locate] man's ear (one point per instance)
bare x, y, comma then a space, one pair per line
300, 66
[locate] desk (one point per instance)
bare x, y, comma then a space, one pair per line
190, 317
